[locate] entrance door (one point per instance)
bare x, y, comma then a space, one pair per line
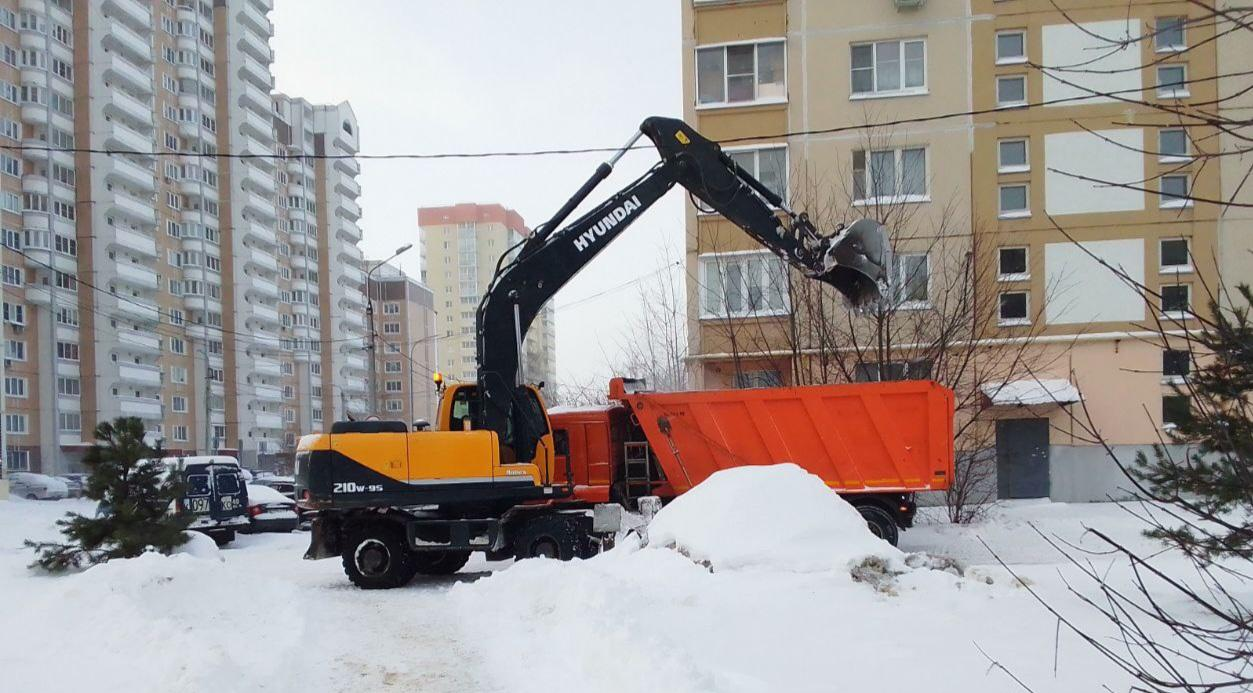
1022, 458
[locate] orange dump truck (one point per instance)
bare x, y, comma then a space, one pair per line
876, 444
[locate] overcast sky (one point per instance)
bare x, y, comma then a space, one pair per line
431, 76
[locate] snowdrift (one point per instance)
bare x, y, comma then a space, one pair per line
778, 517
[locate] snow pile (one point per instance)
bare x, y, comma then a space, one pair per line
200, 546
779, 517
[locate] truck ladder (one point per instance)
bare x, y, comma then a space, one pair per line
637, 470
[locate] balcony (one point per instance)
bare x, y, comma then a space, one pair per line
129, 41
132, 12
352, 276
261, 286
123, 71
122, 169
133, 208
348, 186
349, 209
348, 231
255, 98
136, 309
143, 408
265, 313
133, 241
257, 125
258, 178
352, 254
349, 166
354, 362
142, 342
260, 258
353, 300
257, 231
136, 275
38, 295
267, 393
266, 366
253, 17
256, 73
149, 376
256, 45
355, 319
123, 137
269, 420
261, 208
133, 110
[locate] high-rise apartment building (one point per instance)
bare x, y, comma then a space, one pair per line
932, 117
144, 274
406, 346
460, 246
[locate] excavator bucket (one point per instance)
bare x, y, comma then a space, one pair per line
856, 262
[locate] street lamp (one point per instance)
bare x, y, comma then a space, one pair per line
369, 312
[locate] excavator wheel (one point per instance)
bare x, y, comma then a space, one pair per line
439, 562
560, 536
376, 556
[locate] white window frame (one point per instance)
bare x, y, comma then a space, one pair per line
1174, 269
1011, 104
896, 285
1174, 203
736, 104
1014, 168
876, 93
1014, 322
21, 389
1176, 314
1011, 60
1165, 158
394, 386
787, 169
899, 155
707, 260
1181, 92
14, 430
1173, 47
1014, 276
395, 405
392, 367
17, 460
1013, 213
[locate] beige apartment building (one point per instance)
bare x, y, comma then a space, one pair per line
460, 247
865, 91
406, 346
144, 275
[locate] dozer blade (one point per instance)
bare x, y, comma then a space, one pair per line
856, 262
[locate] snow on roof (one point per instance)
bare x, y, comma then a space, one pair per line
265, 494
1029, 392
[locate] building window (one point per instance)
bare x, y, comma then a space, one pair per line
69, 387
1011, 156
1013, 201
178, 375
1175, 410
289, 415
1013, 308
893, 370
17, 460
758, 378
741, 73
391, 309
67, 351
179, 433
395, 405
1176, 363
12, 276
179, 404
391, 367
743, 284
393, 386
1011, 91
1012, 264
15, 350
889, 68
1168, 34
177, 345
1011, 47
1172, 81
1174, 192
911, 280
766, 164
14, 386
891, 175
1172, 145
70, 422
14, 314
15, 424
1174, 255
391, 328
1176, 300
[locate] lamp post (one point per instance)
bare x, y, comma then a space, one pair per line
369, 313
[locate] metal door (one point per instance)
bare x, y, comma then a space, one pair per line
1022, 458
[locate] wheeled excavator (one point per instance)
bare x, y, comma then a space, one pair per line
393, 501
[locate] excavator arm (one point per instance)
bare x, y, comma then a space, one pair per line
853, 260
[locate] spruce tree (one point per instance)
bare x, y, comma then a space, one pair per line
137, 501
1213, 484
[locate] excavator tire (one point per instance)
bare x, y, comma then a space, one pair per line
560, 536
376, 556
880, 522
439, 562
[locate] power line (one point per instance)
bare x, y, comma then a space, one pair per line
623, 285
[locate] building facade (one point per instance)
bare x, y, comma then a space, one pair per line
405, 346
460, 247
934, 118
144, 274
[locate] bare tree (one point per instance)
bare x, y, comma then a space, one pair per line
653, 345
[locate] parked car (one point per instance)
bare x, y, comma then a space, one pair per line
76, 483
215, 494
270, 511
32, 486
285, 485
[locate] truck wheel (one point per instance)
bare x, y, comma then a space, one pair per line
439, 562
377, 557
553, 536
880, 522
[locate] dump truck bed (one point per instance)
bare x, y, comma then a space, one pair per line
859, 438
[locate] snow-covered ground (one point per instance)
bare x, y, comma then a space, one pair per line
257, 617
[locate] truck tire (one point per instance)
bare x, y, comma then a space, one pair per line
439, 562
880, 522
376, 556
553, 536
223, 537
